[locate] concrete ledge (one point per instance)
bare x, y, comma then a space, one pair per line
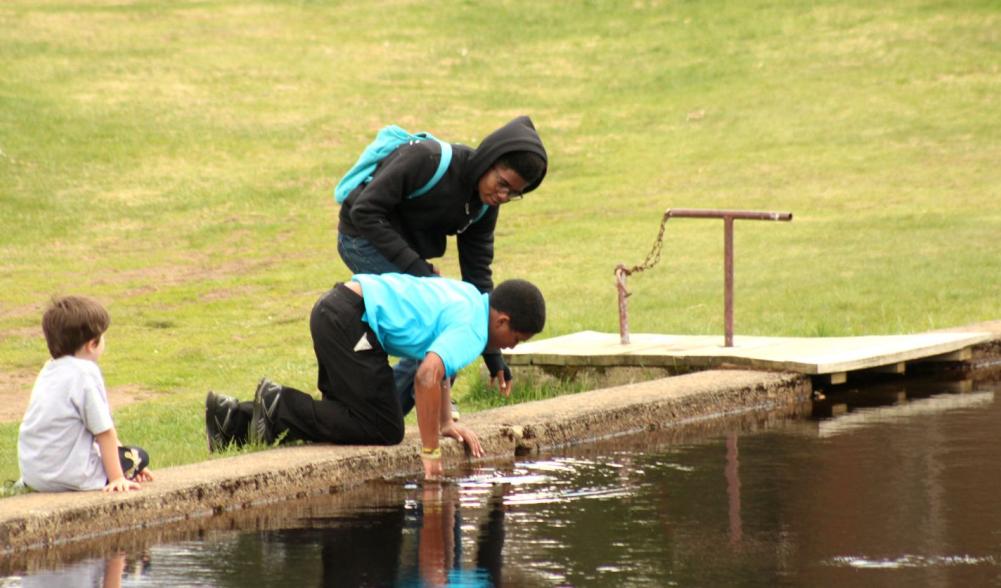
227, 484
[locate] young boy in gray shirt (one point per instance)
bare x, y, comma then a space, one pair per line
67, 440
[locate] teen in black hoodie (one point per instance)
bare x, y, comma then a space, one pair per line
382, 230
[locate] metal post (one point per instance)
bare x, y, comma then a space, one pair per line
728, 281
620, 284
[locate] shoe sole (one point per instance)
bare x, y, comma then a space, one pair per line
212, 402
254, 435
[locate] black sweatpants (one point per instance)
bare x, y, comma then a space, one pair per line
359, 404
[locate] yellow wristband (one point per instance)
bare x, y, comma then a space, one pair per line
428, 453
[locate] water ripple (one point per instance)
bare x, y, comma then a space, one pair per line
910, 561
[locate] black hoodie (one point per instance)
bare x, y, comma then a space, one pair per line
410, 231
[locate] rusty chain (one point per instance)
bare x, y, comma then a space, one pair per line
653, 257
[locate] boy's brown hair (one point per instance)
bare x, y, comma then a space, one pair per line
71, 321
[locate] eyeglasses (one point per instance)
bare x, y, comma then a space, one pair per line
505, 189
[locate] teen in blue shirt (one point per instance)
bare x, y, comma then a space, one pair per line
444, 324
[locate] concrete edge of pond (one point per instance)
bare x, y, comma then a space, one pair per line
196, 491
40, 520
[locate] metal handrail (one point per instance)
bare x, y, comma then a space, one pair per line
728, 217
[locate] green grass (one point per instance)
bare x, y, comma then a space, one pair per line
176, 160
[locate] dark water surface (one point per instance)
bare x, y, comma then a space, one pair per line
901, 488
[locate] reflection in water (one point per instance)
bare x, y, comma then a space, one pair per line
733, 489
898, 494
911, 561
902, 410
112, 571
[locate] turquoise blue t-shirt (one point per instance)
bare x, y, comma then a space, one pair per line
412, 316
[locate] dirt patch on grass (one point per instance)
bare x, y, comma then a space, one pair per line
15, 391
144, 281
34, 308
138, 282
22, 332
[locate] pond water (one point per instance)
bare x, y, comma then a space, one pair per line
893, 485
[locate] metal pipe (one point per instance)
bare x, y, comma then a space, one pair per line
728, 281
737, 214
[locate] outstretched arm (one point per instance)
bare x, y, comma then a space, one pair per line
427, 389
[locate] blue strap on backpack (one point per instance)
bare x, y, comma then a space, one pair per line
386, 141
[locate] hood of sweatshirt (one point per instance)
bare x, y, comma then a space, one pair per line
517, 135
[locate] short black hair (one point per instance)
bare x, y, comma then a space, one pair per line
523, 302
528, 165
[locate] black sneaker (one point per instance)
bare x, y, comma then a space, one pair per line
262, 424
219, 410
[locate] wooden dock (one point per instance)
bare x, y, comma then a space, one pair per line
833, 357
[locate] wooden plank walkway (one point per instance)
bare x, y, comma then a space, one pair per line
806, 355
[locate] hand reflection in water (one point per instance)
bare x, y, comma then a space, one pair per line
437, 539
439, 555
113, 568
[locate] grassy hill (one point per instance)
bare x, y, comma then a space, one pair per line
176, 159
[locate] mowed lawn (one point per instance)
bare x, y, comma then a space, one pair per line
175, 160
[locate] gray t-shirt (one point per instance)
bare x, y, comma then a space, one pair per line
56, 449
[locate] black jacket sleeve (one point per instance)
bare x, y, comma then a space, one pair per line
372, 209
476, 251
